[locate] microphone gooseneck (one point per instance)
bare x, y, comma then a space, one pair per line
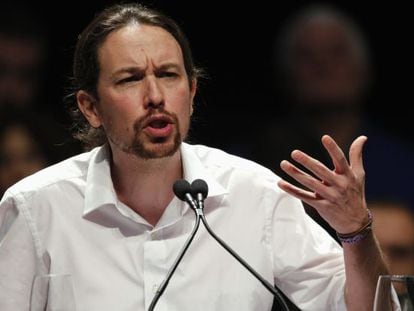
274, 290
182, 190
199, 190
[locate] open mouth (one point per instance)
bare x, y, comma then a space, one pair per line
159, 126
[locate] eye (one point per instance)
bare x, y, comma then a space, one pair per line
129, 79
167, 74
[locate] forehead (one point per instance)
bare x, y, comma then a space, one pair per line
136, 43
326, 32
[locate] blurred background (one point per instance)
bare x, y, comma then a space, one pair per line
237, 45
234, 43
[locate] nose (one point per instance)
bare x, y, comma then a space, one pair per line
154, 96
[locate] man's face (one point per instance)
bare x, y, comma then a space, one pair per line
145, 100
326, 66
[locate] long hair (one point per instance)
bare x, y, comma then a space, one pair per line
86, 64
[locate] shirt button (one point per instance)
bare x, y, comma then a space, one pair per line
155, 288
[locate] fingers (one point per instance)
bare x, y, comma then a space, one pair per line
355, 155
338, 157
313, 165
337, 194
310, 198
325, 177
297, 192
354, 168
317, 186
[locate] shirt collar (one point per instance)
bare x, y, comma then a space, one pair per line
100, 189
193, 169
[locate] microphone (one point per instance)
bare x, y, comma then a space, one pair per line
182, 190
199, 190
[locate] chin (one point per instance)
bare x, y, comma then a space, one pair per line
156, 150
161, 152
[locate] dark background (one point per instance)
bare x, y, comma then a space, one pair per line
233, 42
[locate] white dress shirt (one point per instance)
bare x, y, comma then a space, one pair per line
70, 213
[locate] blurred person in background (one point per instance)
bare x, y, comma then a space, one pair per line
24, 75
394, 229
24, 148
23, 55
324, 69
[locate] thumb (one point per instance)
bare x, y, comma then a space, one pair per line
355, 155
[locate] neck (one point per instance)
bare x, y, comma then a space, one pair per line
145, 185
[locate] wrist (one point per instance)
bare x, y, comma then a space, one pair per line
358, 235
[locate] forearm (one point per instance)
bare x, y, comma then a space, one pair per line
363, 265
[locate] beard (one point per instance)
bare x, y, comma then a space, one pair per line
156, 147
147, 147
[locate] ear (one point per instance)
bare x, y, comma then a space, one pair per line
87, 105
192, 94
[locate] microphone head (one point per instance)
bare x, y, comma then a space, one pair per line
199, 186
180, 188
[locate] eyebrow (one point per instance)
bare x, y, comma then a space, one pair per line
136, 69
168, 66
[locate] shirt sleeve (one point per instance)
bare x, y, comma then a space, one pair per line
308, 263
17, 257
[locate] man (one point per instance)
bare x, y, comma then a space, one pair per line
110, 219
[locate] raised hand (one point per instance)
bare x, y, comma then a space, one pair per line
339, 194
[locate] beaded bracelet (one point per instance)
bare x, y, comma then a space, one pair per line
358, 235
